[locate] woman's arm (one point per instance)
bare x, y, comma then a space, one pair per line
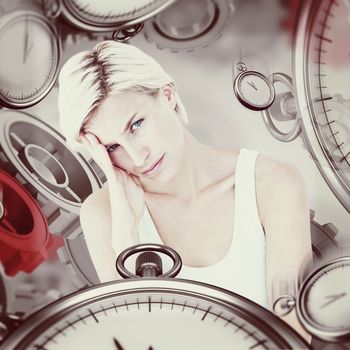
284, 212
110, 217
95, 219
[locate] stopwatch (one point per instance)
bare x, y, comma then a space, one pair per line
109, 15
323, 301
253, 89
30, 53
322, 75
153, 313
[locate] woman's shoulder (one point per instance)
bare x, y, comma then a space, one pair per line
277, 185
270, 171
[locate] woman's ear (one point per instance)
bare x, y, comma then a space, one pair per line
168, 91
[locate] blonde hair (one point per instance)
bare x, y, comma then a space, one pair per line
88, 77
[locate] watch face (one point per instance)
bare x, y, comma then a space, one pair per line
29, 58
154, 314
321, 76
324, 301
254, 90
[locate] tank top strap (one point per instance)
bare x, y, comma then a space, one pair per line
247, 214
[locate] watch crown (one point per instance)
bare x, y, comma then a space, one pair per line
148, 264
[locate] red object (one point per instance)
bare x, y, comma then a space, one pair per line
25, 241
292, 8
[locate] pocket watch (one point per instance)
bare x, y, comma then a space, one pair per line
257, 92
323, 301
152, 312
253, 89
30, 53
105, 15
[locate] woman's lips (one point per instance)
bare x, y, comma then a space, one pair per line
155, 167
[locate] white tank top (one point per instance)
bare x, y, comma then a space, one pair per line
242, 270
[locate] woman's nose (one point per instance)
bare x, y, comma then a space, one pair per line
138, 156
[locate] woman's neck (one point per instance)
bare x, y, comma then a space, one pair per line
193, 175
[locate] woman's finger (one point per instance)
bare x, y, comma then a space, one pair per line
97, 151
100, 154
93, 140
84, 138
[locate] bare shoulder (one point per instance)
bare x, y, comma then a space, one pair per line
271, 172
278, 186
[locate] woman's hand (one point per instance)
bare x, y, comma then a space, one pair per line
125, 190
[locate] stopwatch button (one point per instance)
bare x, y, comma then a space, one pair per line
149, 264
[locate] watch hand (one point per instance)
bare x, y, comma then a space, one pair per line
28, 52
117, 344
333, 298
26, 39
252, 85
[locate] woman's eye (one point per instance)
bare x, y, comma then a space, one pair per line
137, 124
112, 148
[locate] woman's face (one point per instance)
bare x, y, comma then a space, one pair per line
138, 130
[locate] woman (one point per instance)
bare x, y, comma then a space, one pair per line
239, 220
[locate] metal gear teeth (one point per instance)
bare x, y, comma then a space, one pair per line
59, 180
72, 37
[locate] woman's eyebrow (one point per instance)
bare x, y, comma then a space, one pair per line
128, 124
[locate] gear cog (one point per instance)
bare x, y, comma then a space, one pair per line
25, 241
200, 23
58, 179
323, 238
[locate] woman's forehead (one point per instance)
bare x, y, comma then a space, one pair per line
122, 104
115, 111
